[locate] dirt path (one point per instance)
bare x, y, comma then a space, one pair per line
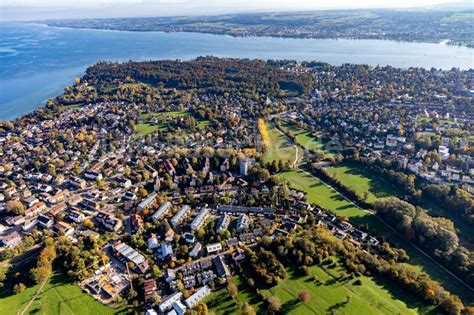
33, 298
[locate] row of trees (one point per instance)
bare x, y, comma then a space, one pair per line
436, 235
44, 266
452, 198
262, 128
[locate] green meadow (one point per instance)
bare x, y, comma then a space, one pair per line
305, 138
331, 293
280, 147
58, 297
145, 127
324, 196
362, 180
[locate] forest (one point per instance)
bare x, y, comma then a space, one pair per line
208, 74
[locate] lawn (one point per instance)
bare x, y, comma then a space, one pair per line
58, 297
342, 296
322, 195
305, 138
221, 303
144, 128
363, 180
329, 293
280, 147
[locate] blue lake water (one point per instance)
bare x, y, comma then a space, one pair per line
37, 61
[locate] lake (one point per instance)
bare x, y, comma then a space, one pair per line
38, 61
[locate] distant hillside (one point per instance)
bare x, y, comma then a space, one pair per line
454, 6
401, 25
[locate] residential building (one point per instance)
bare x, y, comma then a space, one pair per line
250, 210
213, 248
243, 222
221, 267
180, 215
110, 222
161, 212
200, 219
147, 202
149, 290
179, 307
127, 254
223, 223
11, 239
197, 297
167, 303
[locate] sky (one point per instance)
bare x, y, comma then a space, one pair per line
48, 9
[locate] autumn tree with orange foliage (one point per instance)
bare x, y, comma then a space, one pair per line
263, 133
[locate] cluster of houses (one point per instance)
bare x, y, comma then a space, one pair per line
404, 138
80, 184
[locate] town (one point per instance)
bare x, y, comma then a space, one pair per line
451, 26
155, 184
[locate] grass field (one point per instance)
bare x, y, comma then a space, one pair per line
144, 128
221, 303
58, 297
331, 293
280, 147
320, 194
328, 294
305, 138
363, 180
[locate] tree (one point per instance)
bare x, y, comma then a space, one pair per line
156, 271
44, 267
100, 183
304, 296
233, 291
88, 223
274, 304
15, 206
366, 195
41, 273
249, 310
18, 288
263, 174
398, 212
142, 192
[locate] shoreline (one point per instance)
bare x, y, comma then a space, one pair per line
30, 91
444, 42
